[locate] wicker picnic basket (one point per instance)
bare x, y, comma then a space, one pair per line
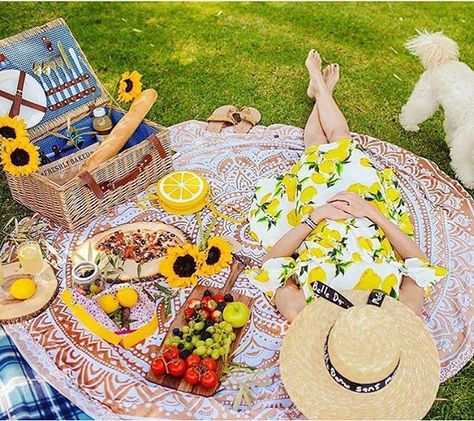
79, 200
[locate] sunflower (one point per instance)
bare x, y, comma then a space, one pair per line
130, 86
20, 157
217, 256
12, 128
181, 266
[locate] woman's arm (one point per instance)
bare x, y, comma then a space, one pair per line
358, 207
410, 293
287, 244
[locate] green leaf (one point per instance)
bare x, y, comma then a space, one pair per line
168, 308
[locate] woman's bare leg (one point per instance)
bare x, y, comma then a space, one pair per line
313, 132
332, 120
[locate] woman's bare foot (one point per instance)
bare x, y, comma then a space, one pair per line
313, 63
331, 76
330, 73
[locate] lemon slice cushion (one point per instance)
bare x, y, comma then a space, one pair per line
183, 192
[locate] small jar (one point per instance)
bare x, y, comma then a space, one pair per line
102, 124
85, 273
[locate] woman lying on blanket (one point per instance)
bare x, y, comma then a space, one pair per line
335, 218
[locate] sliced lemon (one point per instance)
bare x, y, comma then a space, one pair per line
183, 192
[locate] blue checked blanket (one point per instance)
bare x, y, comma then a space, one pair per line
23, 395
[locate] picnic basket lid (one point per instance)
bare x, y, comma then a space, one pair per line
19, 53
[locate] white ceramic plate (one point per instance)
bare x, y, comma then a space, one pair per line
32, 91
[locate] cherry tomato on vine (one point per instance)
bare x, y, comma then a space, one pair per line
192, 376
209, 363
193, 359
170, 352
158, 366
209, 379
177, 367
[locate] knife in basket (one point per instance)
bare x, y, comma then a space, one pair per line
78, 65
68, 64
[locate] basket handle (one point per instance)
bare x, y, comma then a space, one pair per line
99, 189
155, 139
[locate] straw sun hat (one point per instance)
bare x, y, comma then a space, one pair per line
359, 356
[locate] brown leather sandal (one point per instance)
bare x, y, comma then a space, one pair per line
221, 117
247, 117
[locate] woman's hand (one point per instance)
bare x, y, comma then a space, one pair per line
328, 211
353, 204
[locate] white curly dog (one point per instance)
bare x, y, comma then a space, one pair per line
449, 83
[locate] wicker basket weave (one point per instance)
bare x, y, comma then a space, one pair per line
78, 201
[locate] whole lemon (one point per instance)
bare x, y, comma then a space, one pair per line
108, 303
23, 288
127, 297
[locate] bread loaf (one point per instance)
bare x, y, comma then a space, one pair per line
122, 132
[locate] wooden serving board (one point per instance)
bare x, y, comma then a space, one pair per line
179, 383
17, 311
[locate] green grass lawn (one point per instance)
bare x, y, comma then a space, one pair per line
202, 55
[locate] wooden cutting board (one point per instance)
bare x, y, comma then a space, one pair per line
179, 383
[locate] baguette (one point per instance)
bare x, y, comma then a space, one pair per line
122, 132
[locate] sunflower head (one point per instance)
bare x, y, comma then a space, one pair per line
12, 128
130, 86
181, 266
217, 256
20, 157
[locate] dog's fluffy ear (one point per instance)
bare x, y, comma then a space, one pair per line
433, 48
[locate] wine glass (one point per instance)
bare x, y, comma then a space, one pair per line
31, 257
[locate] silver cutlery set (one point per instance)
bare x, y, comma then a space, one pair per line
63, 81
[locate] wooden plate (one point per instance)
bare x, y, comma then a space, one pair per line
15, 311
179, 383
130, 267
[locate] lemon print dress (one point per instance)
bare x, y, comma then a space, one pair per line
345, 254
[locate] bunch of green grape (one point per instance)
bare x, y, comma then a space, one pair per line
203, 339
218, 344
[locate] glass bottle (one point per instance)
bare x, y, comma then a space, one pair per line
102, 124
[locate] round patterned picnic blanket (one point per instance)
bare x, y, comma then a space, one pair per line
108, 382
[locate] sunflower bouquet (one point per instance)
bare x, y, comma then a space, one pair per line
183, 265
19, 155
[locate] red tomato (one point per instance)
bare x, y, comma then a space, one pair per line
177, 367
170, 352
218, 297
209, 363
158, 366
209, 379
193, 359
192, 375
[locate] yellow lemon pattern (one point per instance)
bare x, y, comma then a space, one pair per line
349, 253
